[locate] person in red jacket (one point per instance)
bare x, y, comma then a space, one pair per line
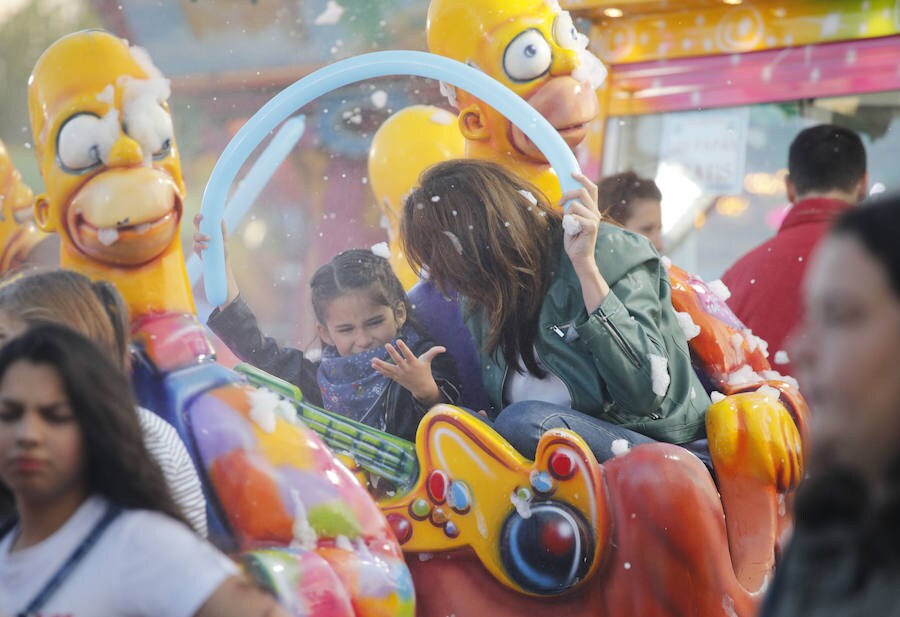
826, 177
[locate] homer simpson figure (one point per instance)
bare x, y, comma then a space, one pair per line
532, 47
106, 148
18, 233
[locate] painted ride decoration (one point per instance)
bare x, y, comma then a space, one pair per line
533, 48
278, 498
19, 234
483, 529
406, 144
673, 545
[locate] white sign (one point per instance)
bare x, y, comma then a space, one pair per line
708, 147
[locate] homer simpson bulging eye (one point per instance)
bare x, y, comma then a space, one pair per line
150, 126
146, 118
78, 143
566, 34
527, 57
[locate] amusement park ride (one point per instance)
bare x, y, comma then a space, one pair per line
341, 519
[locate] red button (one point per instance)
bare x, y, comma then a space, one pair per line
402, 527
437, 486
562, 465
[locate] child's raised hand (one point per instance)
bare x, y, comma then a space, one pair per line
201, 243
411, 372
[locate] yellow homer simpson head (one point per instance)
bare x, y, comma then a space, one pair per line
409, 142
105, 146
532, 47
18, 233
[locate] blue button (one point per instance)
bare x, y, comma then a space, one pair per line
542, 482
460, 497
451, 529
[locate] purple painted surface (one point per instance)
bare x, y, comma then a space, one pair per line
441, 317
218, 429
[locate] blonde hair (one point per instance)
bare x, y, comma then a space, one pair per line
92, 308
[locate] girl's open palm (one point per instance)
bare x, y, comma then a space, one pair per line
411, 372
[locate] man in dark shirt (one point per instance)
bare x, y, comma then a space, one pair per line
826, 176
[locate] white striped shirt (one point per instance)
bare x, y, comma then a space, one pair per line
164, 444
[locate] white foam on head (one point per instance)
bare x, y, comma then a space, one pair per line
107, 133
590, 69
107, 95
781, 357
143, 60
148, 122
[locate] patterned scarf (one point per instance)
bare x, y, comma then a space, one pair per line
352, 388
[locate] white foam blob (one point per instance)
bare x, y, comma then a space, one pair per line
331, 15
571, 225
382, 250
659, 374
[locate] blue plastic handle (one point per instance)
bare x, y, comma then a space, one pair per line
254, 182
351, 70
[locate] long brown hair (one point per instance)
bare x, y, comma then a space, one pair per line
494, 238
117, 463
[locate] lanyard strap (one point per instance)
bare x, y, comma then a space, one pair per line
112, 512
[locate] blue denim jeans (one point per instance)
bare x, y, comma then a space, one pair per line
523, 423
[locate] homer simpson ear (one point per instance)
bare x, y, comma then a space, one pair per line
472, 125
42, 213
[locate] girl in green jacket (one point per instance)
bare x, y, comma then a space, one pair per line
572, 316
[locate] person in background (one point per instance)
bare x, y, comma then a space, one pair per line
633, 202
844, 558
97, 531
96, 310
826, 177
